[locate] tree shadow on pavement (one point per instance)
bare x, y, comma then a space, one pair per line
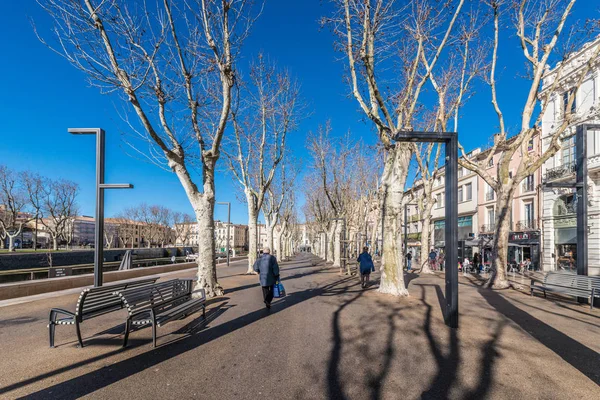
578, 355
447, 364
284, 278
97, 379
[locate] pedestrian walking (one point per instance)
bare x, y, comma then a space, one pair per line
268, 274
408, 261
432, 258
366, 266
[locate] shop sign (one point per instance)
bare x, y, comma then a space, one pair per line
523, 236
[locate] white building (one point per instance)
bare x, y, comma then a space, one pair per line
559, 205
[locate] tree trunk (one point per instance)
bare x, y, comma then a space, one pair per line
425, 239
330, 242
498, 279
393, 180
252, 234
280, 242
270, 231
375, 231
11, 242
337, 246
54, 243
206, 277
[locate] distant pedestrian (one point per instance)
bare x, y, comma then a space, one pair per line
432, 258
366, 266
466, 264
268, 271
408, 261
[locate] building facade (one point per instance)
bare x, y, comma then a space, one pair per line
560, 204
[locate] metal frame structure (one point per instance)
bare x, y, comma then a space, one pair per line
450, 139
228, 204
100, 186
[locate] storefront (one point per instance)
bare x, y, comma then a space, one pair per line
524, 246
565, 244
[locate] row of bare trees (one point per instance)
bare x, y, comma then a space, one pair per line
151, 225
340, 189
396, 51
175, 64
28, 199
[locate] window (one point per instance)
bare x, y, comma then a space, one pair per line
510, 174
566, 96
461, 172
439, 200
528, 184
530, 145
460, 194
528, 213
568, 150
491, 162
465, 221
491, 216
468, 192
593, 142
489, 193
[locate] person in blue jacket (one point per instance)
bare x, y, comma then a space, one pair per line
366, 266
268, 274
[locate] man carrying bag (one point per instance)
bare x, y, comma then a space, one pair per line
268, 274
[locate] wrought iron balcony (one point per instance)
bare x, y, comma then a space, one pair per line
488, 228
526, 225
562, 171
489, 196
566, 209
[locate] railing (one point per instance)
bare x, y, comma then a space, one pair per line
526, 225
489, 196
528, 187
488, 228
566, 209
561, 171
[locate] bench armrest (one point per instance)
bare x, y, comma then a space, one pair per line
55, 311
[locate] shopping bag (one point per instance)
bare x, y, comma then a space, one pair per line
278, 290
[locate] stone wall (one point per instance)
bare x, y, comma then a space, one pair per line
41, 259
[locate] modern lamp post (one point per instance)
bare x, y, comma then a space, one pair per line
100, 186
228, 204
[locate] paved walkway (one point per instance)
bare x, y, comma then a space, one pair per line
328, 339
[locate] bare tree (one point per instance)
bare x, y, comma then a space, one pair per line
182, 225
333, 162
13, 206
111, 231
126, 227
377, 32
174, 64
284, 225
58, 207
267, 113
539, 26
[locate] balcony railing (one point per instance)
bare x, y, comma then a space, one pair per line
526, 225
489, 196
488, 228
528, 187
566, 209
562, 171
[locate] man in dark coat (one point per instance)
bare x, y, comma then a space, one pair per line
268, 273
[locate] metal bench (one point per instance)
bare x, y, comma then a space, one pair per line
569, 284
92, 302
160, 303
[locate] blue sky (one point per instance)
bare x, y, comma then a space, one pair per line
42, 95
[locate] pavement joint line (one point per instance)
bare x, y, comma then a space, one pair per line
50, 295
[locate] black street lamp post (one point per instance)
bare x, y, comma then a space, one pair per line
100, 186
